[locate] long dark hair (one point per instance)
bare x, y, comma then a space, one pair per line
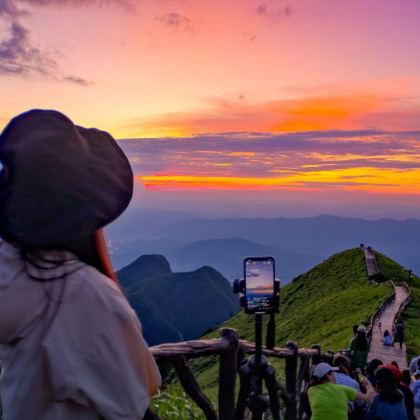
405, 377
386, 386
361, 341
91, 250
371, 368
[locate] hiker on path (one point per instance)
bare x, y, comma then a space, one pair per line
329, 401
370, 370
359, 348
399, 334
387, 340
389, 403
71, 346
414, 365
355, 327
408, 395
415, 388
342, 377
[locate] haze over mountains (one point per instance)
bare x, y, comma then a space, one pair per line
189, 242
227, 255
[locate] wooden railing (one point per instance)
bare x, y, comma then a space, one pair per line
386, 302
403, 305
231, 352
389, 299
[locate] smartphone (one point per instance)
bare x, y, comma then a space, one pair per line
359, 375
259, 275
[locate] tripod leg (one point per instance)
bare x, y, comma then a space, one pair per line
256, 416
242, 396
271, 383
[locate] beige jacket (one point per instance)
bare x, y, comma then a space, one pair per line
70, 348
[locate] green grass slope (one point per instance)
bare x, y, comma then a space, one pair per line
320, 307
411, 316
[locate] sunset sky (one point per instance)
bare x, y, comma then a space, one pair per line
306, 105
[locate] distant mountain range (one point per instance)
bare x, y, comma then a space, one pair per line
176, 306
226, 256
190, 242
321, 235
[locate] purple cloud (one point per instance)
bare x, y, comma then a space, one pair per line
260, 154
276, 14
8, 8
19, 57
77, 81
128, 4
175, 20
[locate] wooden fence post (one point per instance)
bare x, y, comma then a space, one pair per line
192, 388
318, 358
227, 374
291, 386
329, 357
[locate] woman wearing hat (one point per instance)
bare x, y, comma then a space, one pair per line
329, 401
70, 345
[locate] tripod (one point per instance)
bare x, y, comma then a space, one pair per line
256, 369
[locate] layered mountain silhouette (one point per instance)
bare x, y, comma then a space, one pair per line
227, 255
176, 306
321, 235
167, 233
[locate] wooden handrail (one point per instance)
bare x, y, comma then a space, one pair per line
381, 308
198, 348
231, 350
190, 349
403, 306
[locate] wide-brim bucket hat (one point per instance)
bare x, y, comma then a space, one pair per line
59, 182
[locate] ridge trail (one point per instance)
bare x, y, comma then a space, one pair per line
388, 353
370, 259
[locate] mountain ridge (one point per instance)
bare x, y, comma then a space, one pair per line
167, 304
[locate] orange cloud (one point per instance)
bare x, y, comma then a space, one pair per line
303, 114
368, 179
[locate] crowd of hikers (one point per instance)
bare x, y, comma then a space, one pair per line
352, 388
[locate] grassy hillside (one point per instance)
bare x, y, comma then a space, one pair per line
320, 307
411, 316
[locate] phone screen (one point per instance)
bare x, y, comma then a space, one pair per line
259, 284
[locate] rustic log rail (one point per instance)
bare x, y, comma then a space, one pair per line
387, 319
403, 306
381, 308
231, 350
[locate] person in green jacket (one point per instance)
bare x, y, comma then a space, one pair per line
359, 348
